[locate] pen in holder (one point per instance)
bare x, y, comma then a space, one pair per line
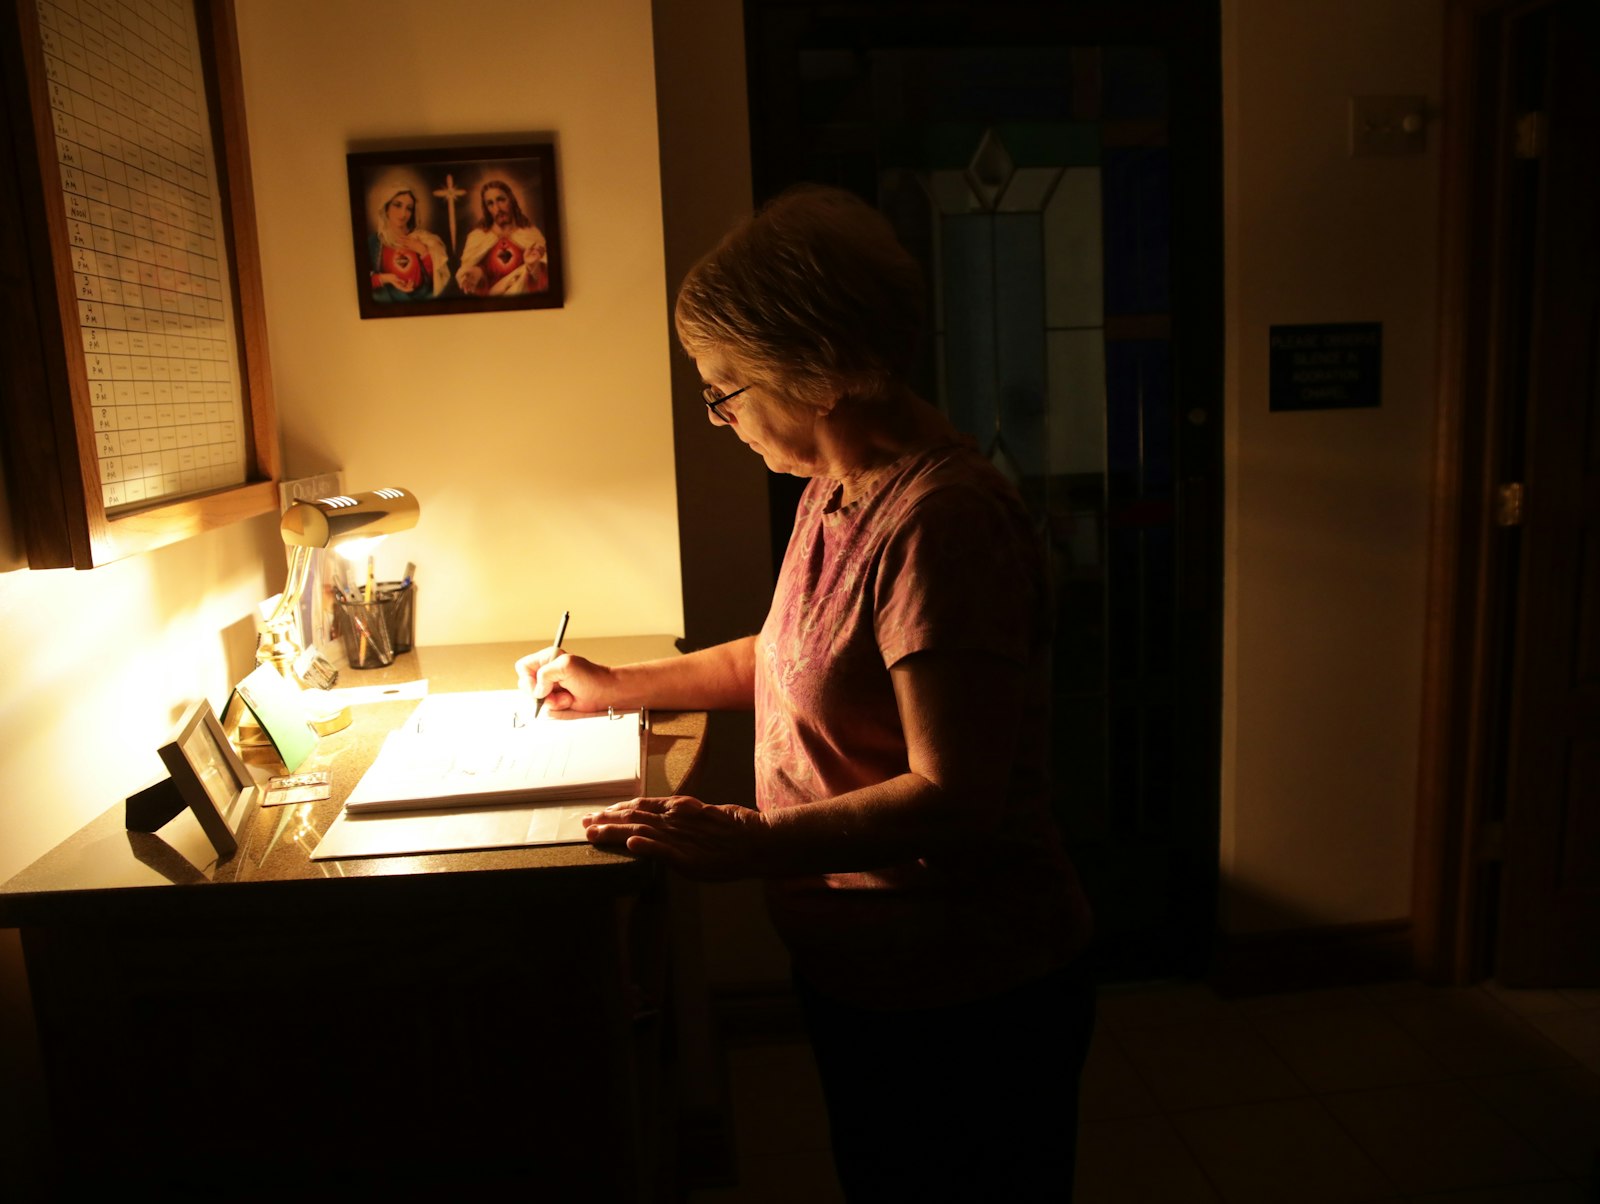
364, 628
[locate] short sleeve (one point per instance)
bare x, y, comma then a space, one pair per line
959, 572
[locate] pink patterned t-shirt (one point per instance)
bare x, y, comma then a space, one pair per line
937, 555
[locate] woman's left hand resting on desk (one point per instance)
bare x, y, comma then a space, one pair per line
698, 839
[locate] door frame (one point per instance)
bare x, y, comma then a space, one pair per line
1463, 716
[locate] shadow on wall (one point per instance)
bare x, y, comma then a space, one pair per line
239, 641
12, 554
742, 952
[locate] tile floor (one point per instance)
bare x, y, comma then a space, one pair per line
1388, 1093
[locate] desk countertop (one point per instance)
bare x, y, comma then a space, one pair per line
105, 872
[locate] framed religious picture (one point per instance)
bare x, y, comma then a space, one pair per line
455, 230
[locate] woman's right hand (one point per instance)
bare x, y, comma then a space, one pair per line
564, 681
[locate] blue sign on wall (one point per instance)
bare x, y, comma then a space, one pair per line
1331, 367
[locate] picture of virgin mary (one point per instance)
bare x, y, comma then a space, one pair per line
408, 262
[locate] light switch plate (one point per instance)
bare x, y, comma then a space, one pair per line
1388, 125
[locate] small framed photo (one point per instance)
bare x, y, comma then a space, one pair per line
456, 230
210, 777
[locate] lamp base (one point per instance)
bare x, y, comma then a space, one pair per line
326, 725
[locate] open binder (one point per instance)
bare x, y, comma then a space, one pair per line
476, 770
483, 748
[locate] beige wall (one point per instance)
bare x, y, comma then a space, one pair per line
1326, 511
99, 666
539, 442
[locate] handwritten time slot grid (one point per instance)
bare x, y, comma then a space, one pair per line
143, 220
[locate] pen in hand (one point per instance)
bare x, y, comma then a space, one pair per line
561, 634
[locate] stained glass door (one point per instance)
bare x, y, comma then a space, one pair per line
1056, 190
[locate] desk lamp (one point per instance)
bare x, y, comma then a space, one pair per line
349, 523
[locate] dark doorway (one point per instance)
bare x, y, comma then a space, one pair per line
1058, 171
1549, 913
1508, 845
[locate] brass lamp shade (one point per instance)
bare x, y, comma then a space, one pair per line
329, 520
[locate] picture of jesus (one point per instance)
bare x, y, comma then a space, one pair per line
505, 254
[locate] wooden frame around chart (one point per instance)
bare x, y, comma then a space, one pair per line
58, 504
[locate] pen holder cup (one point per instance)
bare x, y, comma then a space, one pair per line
364, 627
400, 597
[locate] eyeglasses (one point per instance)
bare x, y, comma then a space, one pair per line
715, 398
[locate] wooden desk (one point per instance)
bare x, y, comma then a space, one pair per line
448, 1024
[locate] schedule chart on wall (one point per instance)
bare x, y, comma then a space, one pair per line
149, 261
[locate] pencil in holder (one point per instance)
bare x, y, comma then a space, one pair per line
364, 627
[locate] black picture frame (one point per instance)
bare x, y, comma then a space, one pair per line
461, 199
211, 778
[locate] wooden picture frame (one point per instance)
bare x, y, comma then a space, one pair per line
139, 281
211, 778
456, 230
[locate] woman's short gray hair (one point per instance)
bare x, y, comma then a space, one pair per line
812, 292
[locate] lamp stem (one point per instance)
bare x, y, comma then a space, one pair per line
281, 638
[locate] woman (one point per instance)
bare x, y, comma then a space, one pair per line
407, 264
901, 700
